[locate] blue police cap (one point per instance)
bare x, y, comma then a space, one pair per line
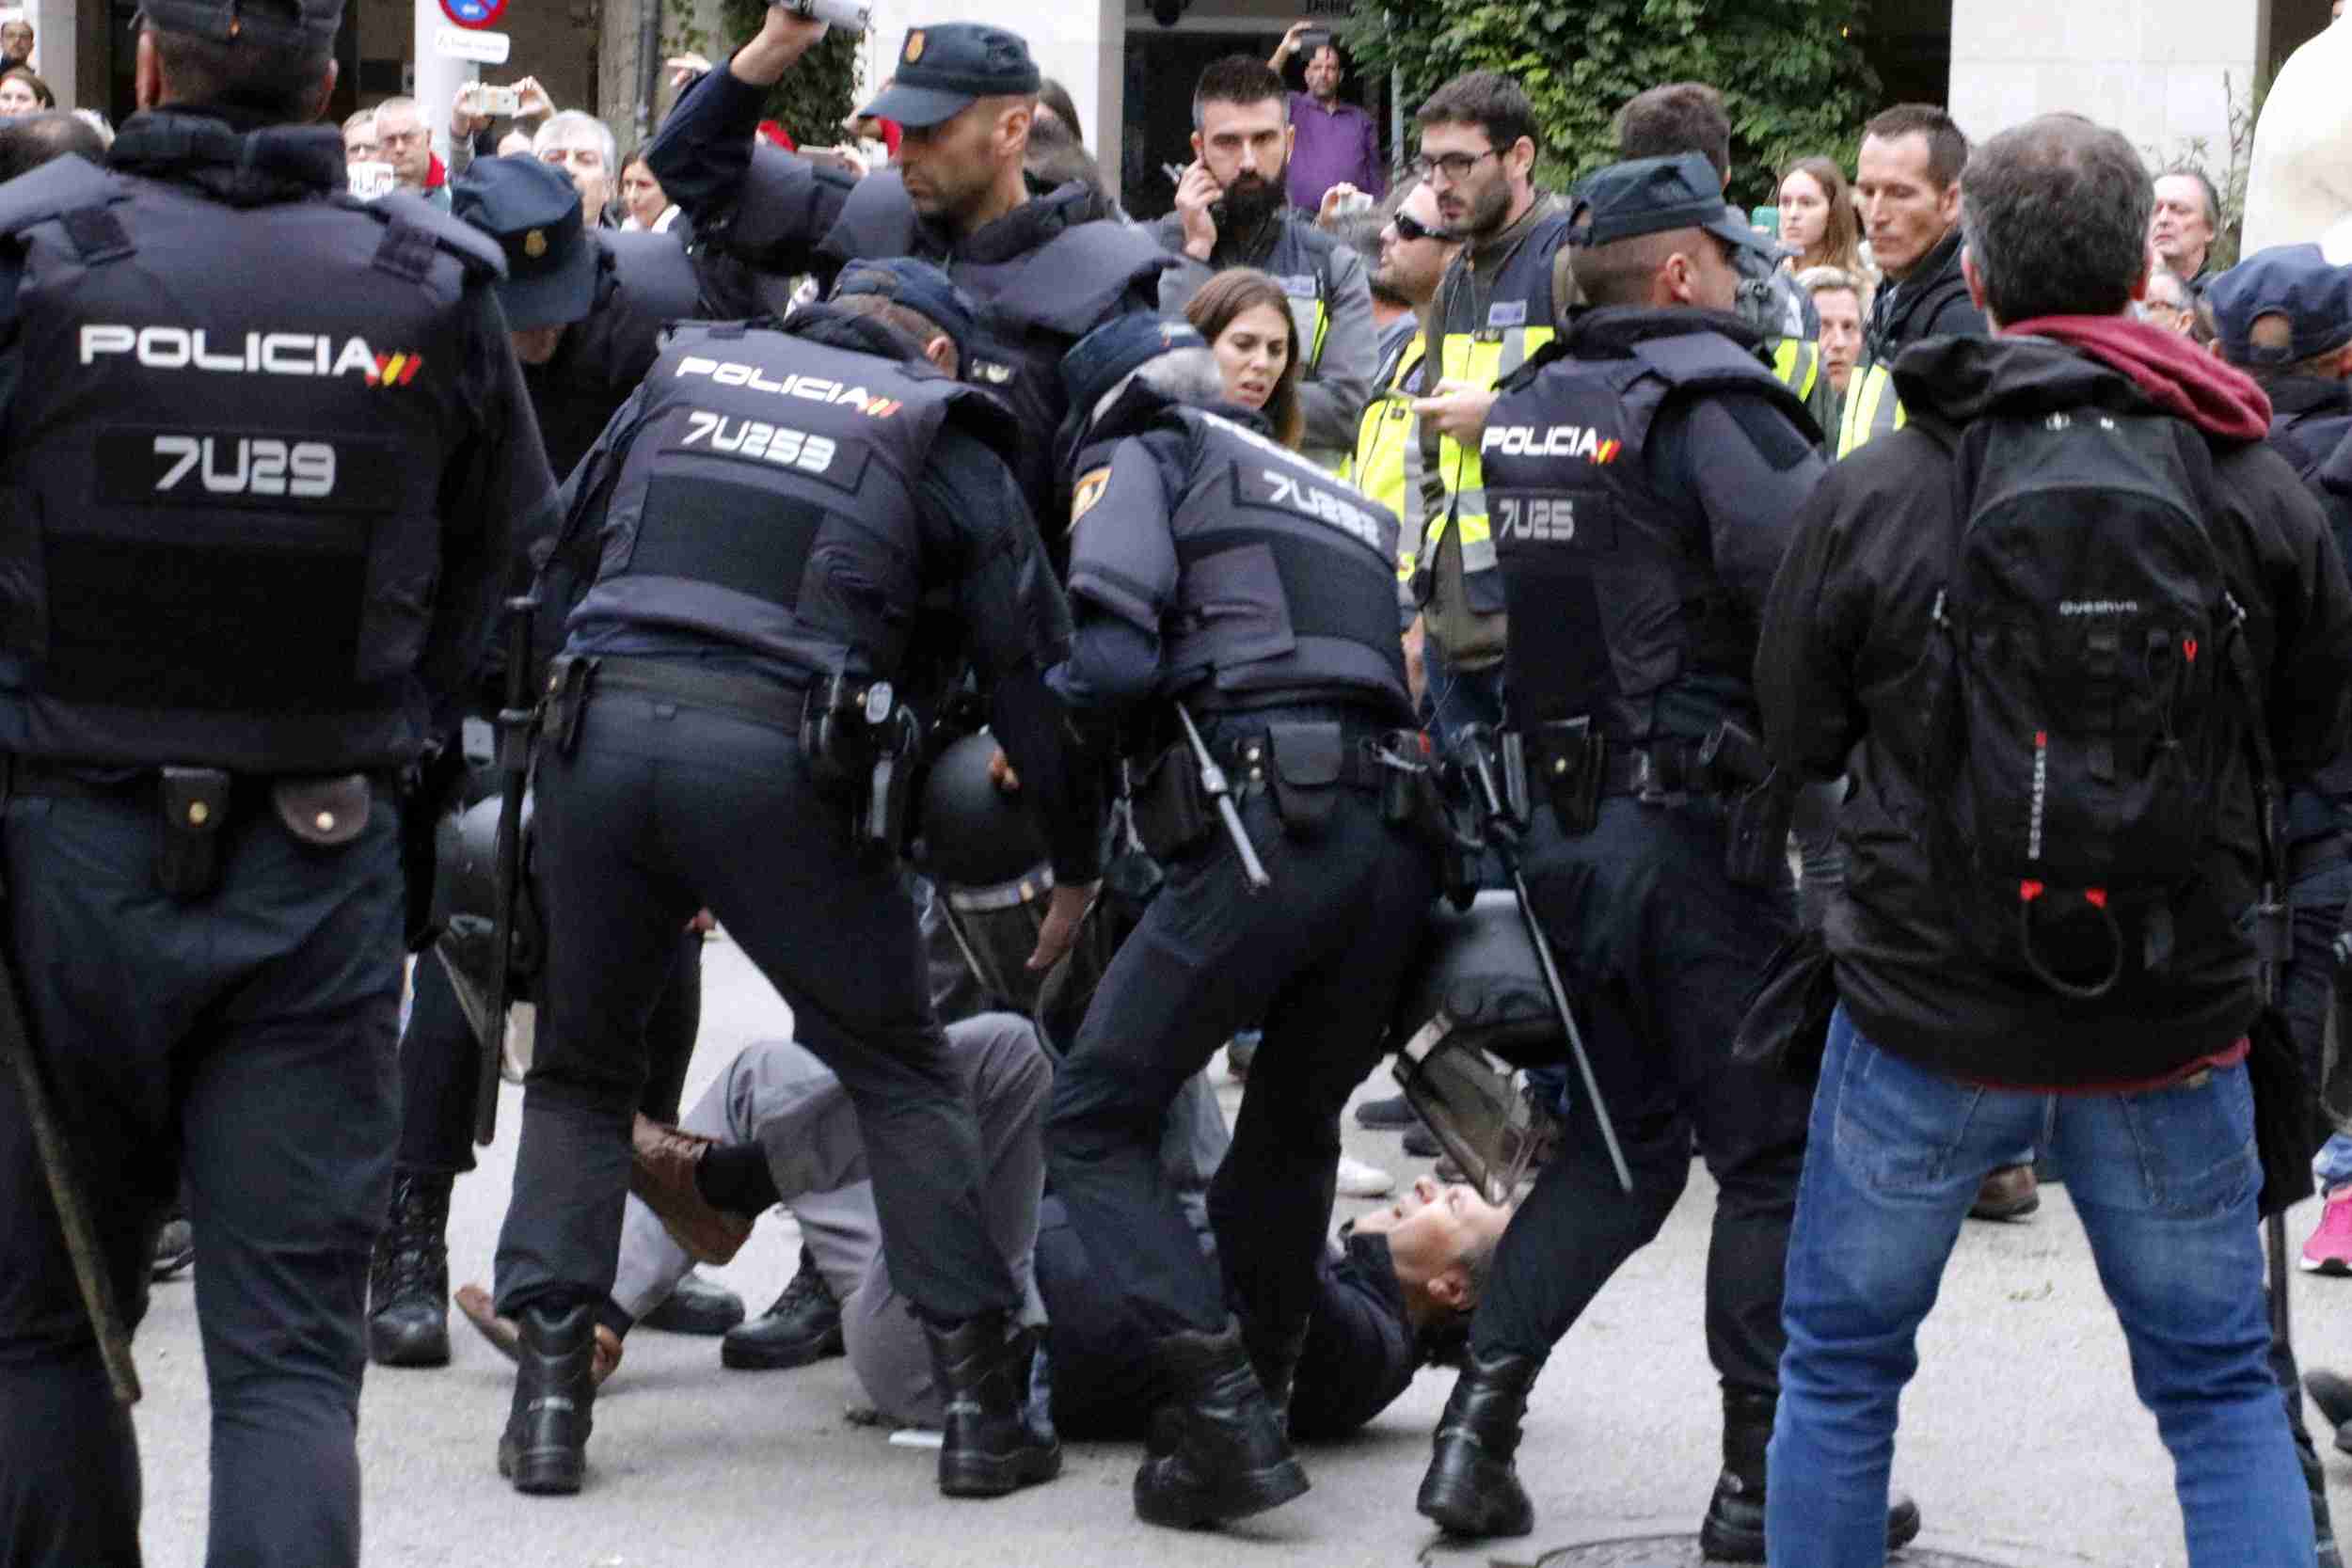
921, 288
533, 210
269, 24
1120, 345
1650, 196
2295, 281
941, 70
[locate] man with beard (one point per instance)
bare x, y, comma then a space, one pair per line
1042, 267
1502, 299
1231, 212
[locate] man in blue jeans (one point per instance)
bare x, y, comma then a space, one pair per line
1979, 1016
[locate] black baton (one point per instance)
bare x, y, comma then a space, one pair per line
1212, 785
515, 722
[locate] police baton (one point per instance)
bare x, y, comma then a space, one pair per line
515, 722
1475, 746
65, 1192
1212, 785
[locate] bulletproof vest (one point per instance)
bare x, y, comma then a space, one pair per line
1034, 303
644, 281
1285, 575
768, 498
219, 528
1387, 465
1611, 590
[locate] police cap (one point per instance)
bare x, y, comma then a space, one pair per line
941, 70
1651, 196
269, 24
921, 288
2295, 282
533, 210
1118, 348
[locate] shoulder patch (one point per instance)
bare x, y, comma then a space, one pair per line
1087, 490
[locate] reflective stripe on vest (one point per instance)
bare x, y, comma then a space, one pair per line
1388, 465
1873, 409
1483, 360
1798, 364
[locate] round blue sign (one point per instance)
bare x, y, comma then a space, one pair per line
473, 13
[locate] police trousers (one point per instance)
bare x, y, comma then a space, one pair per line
1659, 949
241, 1042
664, 807
1316, 958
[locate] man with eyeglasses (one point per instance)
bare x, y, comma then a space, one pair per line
1501, 299
402, 141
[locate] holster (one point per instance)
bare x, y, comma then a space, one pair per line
195, 807
1171, 811
1755, 844
881, 818
1303, 771
1564, 759
1418, 795
569, 678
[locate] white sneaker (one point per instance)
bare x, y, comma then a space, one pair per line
1358, 1179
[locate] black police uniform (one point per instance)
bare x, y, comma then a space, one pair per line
1643, 474
773, 507
1042, 276
260, 532
1212, 567
639, 282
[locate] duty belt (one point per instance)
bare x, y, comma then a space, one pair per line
1667, 766
758, 698
1360, 760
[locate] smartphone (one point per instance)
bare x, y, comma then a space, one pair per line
1354, 201
1311, 41
371, 180
496, 102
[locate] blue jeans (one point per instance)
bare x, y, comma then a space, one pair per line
2332, 1165
2164, 1182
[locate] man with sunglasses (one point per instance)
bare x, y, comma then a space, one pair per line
1415, 251
1500, 300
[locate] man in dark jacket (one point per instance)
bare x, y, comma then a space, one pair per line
1907, 185
1948, 1052
1046, 267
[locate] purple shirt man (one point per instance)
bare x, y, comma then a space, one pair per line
1336, 143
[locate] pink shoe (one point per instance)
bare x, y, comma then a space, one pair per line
2329, 1250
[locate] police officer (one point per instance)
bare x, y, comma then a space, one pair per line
1212, 568
1233, 210
1643, 474
258, 536
586, 305
1045, 268
584, 310
725, 731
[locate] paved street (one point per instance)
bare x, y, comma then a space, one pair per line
2021, 1438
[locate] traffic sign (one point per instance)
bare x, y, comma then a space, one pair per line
452, 43
473, 13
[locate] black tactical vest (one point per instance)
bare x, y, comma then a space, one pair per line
768, 498
644, 281
1613, 592
1286, 576
219, 538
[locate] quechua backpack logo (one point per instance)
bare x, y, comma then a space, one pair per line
2092, 699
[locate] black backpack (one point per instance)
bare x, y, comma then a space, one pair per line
2091, 695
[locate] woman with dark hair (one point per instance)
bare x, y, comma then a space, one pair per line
1246, 319
24, 93
1818, 218
1054, 98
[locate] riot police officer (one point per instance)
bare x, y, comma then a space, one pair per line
785, 515
1643, 473
584, 310
257, 535
1218, 575
1045, 268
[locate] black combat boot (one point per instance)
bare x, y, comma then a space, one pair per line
1472, 1487
1218, 1451
543, 1450
1733, 1530
408, 1277
989, 1448
803, 1326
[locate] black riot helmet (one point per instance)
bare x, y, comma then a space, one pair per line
973, 834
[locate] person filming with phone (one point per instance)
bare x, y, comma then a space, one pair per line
1337, 160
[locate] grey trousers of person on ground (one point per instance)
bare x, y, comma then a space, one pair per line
778, 1094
